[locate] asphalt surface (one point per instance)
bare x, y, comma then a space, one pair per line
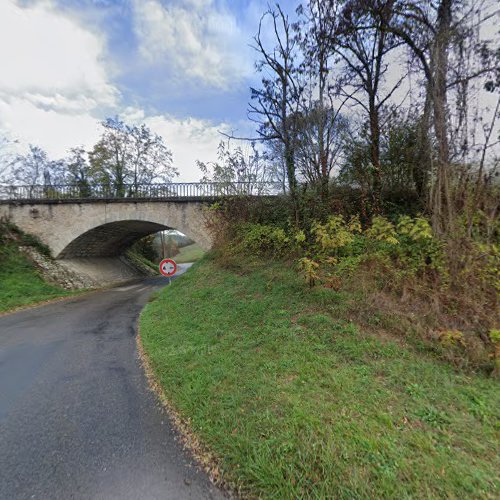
77, 419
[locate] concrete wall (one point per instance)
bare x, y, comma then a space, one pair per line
104, 228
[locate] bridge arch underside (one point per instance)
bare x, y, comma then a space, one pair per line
109, 240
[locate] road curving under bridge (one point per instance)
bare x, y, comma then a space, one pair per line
77, 419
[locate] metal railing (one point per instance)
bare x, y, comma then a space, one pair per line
168, 191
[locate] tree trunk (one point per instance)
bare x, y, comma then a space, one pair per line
422, 165
287, 145
442, 203
292, 180
375, 156
323, 159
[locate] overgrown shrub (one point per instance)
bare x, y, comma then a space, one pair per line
264, 239
225, 217
334, 234
396, 266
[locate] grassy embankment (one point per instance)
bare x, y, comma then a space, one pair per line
297, 401
20, 282
190, 253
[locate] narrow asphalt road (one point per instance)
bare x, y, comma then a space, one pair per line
77, 419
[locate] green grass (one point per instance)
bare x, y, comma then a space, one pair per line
297, 403
190, 253
20, 282
140, 260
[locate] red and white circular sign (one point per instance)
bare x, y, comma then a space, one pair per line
168, 267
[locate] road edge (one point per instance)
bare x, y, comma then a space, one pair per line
76, 293
204, 458
41, 303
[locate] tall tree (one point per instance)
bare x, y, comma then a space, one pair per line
363, 46
78, 171
128, 156
275, 105
321, 121
151, 160
110, 158
432, 31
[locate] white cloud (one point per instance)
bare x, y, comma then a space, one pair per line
53, 82
201, 42
55, 88
54, 131
190, 139
193, 139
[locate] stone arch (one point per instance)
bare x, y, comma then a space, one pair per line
110, 239
105, 228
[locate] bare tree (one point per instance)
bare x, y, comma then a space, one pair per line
34, 169
275, 106
238, 170
432, 30
363, 47
316, 159
5, 158
321, 121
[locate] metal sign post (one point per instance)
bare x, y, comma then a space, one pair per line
162, 236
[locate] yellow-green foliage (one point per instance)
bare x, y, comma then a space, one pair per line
334, 233
300, 237
340, 246
417, 228
494, 335
418, 247
264, 239
310, 270
490, 254
451, 338
354, 225
382, 230
410, 244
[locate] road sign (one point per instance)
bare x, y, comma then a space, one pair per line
168, 267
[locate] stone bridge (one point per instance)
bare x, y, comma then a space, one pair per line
105, 228
82, 223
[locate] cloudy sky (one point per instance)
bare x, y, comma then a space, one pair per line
183, 67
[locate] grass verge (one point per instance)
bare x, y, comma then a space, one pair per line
20, 282
190, 253
295, 400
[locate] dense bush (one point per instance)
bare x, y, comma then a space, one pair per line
262, 239
397, 266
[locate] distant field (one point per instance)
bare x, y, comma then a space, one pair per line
191, 253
